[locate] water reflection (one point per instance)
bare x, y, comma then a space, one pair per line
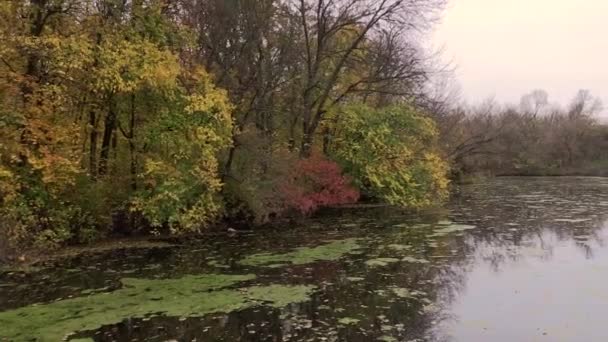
541, 278
508, 260
550, 287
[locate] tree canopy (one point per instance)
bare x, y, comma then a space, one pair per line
167, 116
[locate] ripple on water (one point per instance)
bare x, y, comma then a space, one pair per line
506, 251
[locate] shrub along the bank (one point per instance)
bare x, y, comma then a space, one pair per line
122, 117
391, 153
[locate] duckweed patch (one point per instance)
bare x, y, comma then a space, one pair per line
189, 296
452, 228
398, 247
414, 260
409, 299
380, 262
217, 264
92, 291
305, 255
355, 279
279, 296
402, 292
348, 321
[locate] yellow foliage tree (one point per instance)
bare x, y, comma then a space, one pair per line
392, 154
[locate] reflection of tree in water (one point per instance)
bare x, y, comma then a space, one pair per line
318, 318
372, 301
514, 219
405, 300
527, 218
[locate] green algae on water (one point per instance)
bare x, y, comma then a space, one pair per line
348, 321
189, 296
305, 255
217, 264
279, 296
414, 260
380, 262
452, 228
355, 279
402, 292
399, 247
92, 291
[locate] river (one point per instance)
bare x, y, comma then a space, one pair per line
510, 259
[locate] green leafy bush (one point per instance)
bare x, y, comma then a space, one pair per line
391, 154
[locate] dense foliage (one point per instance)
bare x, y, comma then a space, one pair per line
392, 154
99, 117
156, 116
316, 182
165, 117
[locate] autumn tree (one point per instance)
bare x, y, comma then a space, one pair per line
392, 154
100, 119
165, 116
338, 36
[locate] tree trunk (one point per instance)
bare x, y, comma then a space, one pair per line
132, 152
133, 167
93, 136
93, 145
307, 131
306, 149
109, 126
326, 140
37, 21
229, 160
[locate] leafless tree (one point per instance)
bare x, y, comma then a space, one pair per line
532, 104
532, 138
337, 33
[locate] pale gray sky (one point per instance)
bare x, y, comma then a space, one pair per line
505, 48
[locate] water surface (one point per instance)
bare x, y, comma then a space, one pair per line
513, 259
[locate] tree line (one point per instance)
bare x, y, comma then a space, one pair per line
533, 138
168, 116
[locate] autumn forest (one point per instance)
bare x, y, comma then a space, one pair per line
171, 117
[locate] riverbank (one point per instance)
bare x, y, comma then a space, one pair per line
29, 258
573, 173
596, 168
358, 274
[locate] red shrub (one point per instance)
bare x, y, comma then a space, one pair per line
317, 182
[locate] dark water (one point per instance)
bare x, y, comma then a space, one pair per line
508, 260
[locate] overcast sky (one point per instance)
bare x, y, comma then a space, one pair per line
505, 48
